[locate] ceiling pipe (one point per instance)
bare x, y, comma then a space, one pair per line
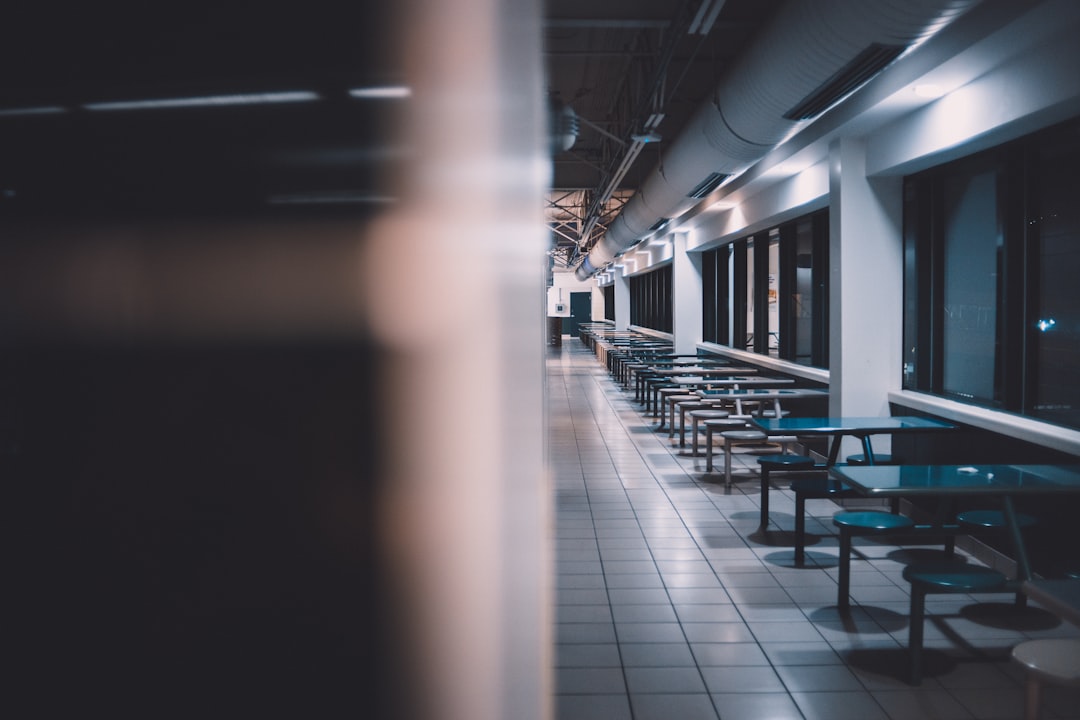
809, 57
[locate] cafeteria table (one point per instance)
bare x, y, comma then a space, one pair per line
859, 427
649, 380
947, 482
837, 428
738, 396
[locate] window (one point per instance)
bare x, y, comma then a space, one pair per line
609, 302
767, 293
650, 300
991, 302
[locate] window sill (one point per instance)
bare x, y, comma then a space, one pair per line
788, 368
1054, 437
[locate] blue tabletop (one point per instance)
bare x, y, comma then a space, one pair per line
960, 479
743, 393
850, 425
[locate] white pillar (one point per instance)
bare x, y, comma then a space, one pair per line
865, 285
686, 296
465, 522
622, 301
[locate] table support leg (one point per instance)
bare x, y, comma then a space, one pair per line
834, 451
764, 500
843, 591
915, 634
1023, 567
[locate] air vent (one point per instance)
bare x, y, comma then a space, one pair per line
706, 186
659, 224
863, 67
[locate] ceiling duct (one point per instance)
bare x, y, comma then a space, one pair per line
809, 56
706, 186
866, 65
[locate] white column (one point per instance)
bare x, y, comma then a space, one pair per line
865, 285
686, 296
464, 523
622, 301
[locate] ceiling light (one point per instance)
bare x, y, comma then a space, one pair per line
295, 96
43, 110
388, 92
929, 90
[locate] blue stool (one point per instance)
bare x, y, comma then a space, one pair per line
861, 523
781, 462
941, 578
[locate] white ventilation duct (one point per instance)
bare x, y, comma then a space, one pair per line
812, 54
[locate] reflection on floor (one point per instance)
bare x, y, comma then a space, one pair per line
667, 608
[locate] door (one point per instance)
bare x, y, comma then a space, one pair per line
580, 312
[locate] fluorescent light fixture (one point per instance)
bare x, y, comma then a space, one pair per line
43, 110
267, 98
929, 90
386, 92
706, 17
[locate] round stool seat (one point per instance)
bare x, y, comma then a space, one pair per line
727, 422
1055, 660
743, 435
709, 414
786, 462
953, 577
870, 521
991, 519
879, 459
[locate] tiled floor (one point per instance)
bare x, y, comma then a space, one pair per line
667, 609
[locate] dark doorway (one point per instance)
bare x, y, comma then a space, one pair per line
580, 312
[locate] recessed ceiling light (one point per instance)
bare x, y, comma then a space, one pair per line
929, 90
207, 101
388, 92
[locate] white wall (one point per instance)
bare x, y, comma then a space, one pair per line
564, 283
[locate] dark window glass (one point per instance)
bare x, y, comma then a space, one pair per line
709, 305
991, 257
770, 292
650, 300
972, 239
1053, 324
